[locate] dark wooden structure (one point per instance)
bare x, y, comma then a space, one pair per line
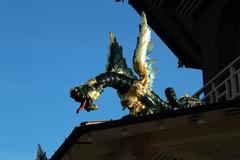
203, 34
201, 133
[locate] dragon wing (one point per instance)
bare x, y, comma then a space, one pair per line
142, 63
116, 63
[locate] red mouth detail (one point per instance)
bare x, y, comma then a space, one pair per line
82, 106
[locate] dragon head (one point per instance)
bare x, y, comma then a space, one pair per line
85, 94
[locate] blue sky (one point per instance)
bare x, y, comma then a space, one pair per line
49, 46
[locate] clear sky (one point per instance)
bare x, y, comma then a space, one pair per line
49, 46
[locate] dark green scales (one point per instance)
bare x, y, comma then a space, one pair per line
135, 92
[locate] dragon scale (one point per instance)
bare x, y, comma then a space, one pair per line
136, 94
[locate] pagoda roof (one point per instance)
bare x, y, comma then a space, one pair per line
87, 127
177, 24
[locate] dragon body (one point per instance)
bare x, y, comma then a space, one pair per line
135, 93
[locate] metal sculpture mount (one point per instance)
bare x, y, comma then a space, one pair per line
135, 93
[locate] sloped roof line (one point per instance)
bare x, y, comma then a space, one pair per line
128, 120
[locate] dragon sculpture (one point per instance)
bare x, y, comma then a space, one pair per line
135, 93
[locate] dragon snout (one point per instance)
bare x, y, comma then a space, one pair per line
79, 96
74, 93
